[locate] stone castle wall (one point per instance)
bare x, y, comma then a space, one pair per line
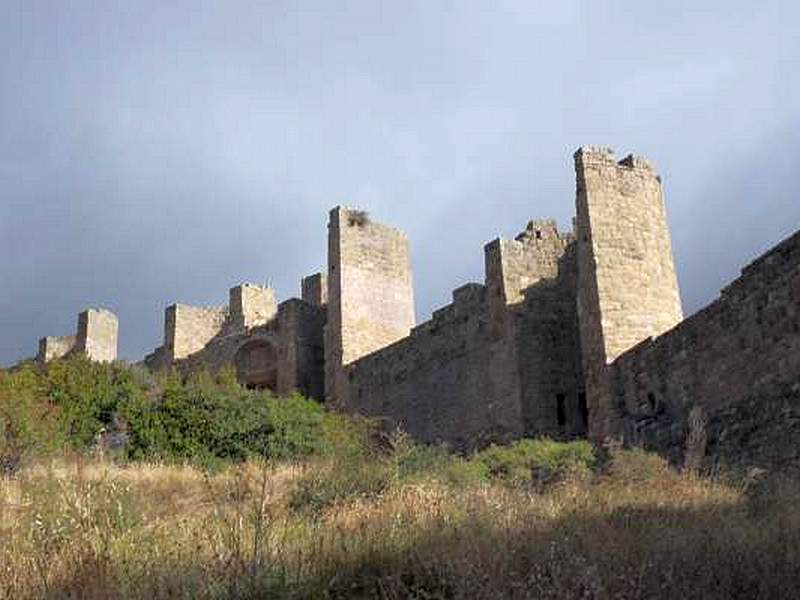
493, 365
569, 331
546, 334
627, 288
96, 337
251, 305
449, 381
275, 346
314, 289
188, 329
370, 292
738, 359
53, 347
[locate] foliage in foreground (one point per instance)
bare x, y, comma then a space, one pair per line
636, 530
208, 418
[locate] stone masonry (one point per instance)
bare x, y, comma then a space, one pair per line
96, 338
627, 289
569, 334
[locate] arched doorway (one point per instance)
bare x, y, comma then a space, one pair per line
257, 365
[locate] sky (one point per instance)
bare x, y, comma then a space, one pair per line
155, 152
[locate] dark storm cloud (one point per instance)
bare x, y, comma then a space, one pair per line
154, 152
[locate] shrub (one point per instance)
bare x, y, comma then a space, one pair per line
29, 424
212, 418
204, 420
88, 394
296, 427
29, 427
536, 460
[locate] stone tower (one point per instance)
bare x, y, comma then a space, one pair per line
97, 334
370, 293
628, 290
251, 305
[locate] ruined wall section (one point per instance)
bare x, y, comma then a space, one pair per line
627, 289
448, 381
536, 277
293, 339
300, 329
98, 330
251, 305
96, 337
314, 289
738, 359
370, 293
188, 329
53, 347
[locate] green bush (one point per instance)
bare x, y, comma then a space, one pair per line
211, 418
207, 418
536, 460
89, 394
29, 424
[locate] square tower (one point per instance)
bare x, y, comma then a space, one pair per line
628, 290
97, 334
251, 305
370, 293
314, 289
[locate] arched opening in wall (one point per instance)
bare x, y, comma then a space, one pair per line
257, 365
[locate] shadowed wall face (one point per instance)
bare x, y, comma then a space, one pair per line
737, 360
257, 365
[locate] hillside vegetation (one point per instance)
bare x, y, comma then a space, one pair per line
221, 492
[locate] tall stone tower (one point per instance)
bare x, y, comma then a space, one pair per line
97, 334
370, 293
628, 290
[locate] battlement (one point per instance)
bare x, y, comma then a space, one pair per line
603, 156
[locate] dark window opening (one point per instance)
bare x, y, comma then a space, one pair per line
561, 412
652, 402
538, 234
583, 408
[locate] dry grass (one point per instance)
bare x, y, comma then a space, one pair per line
82, 529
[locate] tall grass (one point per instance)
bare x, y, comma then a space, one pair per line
433, 526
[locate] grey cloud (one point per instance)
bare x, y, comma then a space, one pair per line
153, 152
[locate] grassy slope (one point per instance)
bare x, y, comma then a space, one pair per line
91, 529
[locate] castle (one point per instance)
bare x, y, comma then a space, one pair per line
570, 332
